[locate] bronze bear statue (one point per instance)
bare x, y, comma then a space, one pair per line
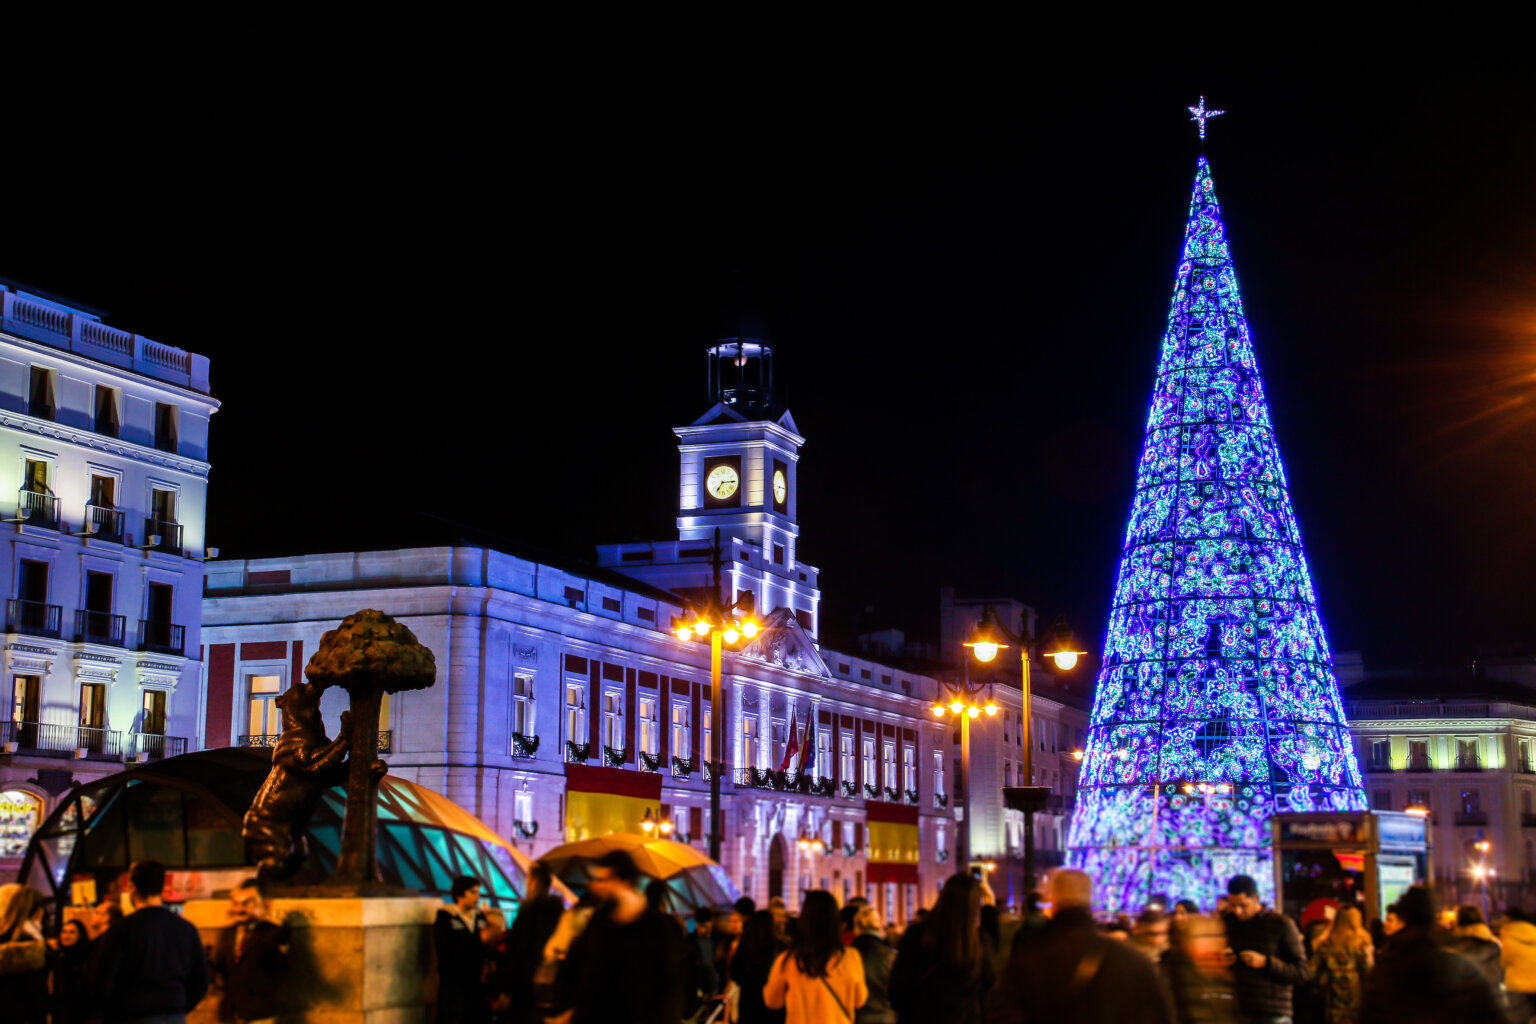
304, 765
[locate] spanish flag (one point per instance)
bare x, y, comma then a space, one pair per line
601, 801
893, 849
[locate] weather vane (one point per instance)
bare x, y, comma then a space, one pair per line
1201, 115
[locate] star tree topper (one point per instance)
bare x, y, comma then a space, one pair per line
1201, 115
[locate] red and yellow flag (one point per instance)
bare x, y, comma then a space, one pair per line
601, 801
893, 842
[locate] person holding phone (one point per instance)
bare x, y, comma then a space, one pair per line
1265, 954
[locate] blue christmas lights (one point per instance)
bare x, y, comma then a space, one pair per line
1217, 704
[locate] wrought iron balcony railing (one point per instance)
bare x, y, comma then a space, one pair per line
46, 737
99, 628
1471, 763
155, 746
1471, 817
169, 533
162, 637
104, 523
32, 617
42, 508
1420, 763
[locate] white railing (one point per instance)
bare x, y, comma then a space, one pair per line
82, 333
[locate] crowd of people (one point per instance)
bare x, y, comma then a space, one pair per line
617, 956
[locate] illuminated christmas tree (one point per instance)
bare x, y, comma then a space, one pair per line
1217, 703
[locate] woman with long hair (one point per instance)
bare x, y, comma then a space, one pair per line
757, 949
1340, 962
817, 980
942, 970
68, 963
23, 956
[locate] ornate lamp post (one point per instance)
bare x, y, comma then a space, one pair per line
722, 626
962, 702
986, 641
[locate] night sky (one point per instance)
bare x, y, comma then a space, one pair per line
480, 290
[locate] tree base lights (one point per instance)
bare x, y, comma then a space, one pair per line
1216, 705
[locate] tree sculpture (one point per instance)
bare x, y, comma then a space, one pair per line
368, 655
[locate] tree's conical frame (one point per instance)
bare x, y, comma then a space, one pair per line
1217, 703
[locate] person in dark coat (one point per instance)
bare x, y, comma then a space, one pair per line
1418, 981
23, 956
1070, 971
630, 965
523, 950
869, 940
756, 950
1474, 940
151, 963
250, 960
70, 964
1267, 958
943, 967
461, 955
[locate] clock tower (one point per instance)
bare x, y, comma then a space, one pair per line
737, 475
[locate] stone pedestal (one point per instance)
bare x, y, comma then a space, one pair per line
352, 961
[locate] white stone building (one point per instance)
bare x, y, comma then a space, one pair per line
551, 671
103, 483
1465, 748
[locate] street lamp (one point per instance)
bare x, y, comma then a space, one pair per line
1481, 871
722, 625
988, 638
963, 706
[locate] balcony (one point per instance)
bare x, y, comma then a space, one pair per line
1470, 763
785, 782
169, 533
385, 745
32, 617
37, 508
104, 523
62, 740
162, 637
1528, 820
99, 628
1419, 763
1524, 766
149, 746
1471, 817
1376, 765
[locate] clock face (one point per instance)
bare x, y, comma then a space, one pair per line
780, 486
721, 482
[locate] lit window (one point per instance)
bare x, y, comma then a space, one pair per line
522, 705
650, 733
575, 712
707, 733
871, 770
682, 735
265, 720
888, 758
613, 720
749, 741
909, 769
845, 744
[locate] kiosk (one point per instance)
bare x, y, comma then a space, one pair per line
1359, 858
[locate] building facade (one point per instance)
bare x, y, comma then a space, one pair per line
560, 681
1469, 759
103, 484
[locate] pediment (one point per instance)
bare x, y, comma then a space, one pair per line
785, 643
719, 413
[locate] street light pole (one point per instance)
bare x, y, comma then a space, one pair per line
716, 743
964, 859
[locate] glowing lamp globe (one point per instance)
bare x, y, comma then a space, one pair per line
985, 650
956, 707
1065, 660
749, 629
938, 710
973, 711
731, 636
684, 632
701, 627
991, 710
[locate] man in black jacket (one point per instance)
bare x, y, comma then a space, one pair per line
150, 968
1068, 970
1417, 980
250, 960
1265, 953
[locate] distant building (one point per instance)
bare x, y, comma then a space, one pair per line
102, 485
563, 697
1465, 748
